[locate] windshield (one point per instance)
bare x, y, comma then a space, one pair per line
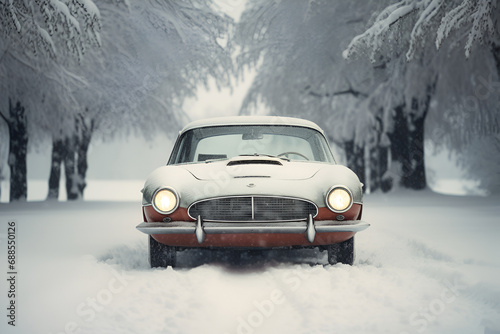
225, 142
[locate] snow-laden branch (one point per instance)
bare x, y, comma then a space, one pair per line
51, 27
434, 20
348, 91
453, 19
373, 38
478, 14
430, 10
482, 23
46, 41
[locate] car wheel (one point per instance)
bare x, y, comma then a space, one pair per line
341, 253
161, 255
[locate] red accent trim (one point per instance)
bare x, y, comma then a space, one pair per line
153, 216
265, 240
352, 214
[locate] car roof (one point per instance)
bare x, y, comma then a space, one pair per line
251, 120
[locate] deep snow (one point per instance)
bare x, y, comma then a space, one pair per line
428, 264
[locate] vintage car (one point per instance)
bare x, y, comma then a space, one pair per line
251, 182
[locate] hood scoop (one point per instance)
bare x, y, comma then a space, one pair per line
244, 167
254, 162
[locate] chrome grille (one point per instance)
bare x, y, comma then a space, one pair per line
252, 208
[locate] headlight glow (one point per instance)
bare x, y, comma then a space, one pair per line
165, 200
339, 199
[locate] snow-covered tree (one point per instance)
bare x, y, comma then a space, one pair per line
37, 37
431, 51
50, 27
422, 53
476, 21
296, 49
153, 55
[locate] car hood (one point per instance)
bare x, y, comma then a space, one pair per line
254, 166
252, 176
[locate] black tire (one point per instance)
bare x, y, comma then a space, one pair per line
161, 255
341, 253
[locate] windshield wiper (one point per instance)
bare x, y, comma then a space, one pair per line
214, 160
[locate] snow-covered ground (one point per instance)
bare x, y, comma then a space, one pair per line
428, 264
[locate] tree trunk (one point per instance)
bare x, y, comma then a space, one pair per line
64, 152
407, 142
70, 168
82, 150
355, 159
416, 178
379, 165
18, 149
496, 55
400, 148
72, 151
59, 153
378, 161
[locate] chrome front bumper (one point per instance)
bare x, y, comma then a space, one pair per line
201, 228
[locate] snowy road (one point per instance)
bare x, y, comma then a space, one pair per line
428, 264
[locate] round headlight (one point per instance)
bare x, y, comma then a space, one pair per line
165, 200
339, 199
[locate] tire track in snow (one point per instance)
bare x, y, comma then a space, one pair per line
397, 285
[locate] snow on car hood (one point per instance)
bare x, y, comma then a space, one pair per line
252, 176
254, 166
